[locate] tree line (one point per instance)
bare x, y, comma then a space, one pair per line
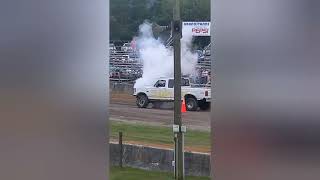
127, 15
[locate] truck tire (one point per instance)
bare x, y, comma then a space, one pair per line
142, 101
204, 105
191, 104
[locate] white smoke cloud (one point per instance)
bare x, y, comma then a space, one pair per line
157, 60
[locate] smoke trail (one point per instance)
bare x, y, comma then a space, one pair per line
157, 60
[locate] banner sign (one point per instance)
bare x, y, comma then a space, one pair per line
196, 28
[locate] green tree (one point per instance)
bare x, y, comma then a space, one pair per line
127, 15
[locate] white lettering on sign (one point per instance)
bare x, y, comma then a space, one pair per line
196, 28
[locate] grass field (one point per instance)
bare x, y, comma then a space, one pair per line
126, 173
159, 135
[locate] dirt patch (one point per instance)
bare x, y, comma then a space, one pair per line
122, 98
130, 113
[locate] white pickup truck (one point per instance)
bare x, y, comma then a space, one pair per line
162, 90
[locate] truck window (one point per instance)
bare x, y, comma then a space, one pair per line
160, 83
170, 83
184, 82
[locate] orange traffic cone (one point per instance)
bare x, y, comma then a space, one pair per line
183, 107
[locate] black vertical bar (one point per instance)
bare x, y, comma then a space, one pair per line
121, 149
175, 170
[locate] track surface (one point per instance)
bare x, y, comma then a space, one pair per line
123, 108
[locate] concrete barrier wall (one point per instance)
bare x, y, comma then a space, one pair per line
150, 158
126, 88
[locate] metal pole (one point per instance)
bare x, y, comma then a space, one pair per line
175, 156
176, 33
121, 149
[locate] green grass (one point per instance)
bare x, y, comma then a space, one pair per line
126, 173
158, 135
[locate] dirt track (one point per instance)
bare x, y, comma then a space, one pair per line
123, 108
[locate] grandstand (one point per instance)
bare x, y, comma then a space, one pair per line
125, 65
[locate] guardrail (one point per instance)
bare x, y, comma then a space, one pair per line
152, 158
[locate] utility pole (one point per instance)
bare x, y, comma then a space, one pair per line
178, 130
